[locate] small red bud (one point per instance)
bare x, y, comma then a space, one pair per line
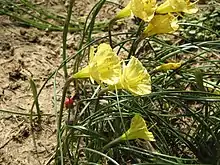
68, 102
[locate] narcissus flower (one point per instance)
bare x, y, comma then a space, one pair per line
144, 9
138, 129
168, 66
170, 6
161, 24
104, 66
135, 78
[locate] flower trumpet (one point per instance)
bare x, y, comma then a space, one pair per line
135, 78
138, 129
104, 66
161, 24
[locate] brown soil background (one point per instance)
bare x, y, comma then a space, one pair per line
25, 53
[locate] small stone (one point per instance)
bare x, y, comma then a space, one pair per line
23, 32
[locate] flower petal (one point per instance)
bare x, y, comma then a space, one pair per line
91, 53
191, 8
144, 9
170, 6
161, 24
106, 65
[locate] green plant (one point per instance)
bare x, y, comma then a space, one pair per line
182, 112
180, 107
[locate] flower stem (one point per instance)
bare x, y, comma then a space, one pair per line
135, 43
65, 31
111, 143
109, 31
134, 46
98, 97
62, 101
59, 144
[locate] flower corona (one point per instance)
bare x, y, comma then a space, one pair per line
138, 129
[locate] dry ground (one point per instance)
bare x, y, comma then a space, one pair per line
25, 53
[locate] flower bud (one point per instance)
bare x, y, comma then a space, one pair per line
69, 102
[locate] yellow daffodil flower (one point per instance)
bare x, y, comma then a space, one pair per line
168, 66
138, 129
161, 24
170, 6
144, 9
104, 66
135, 78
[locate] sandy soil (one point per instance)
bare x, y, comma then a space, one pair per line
25, 53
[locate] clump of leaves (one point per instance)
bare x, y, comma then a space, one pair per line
205, 26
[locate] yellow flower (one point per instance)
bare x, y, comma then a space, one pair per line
104, 66
168, 66
170, 6
138, 129
144, 9
161, 24
135, 78
126, 12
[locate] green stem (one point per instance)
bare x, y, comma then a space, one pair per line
77, 155
134, 46
62, 101
59, 145
98, 97
34, 91
92, 22
97, 100
135, 43
109, 31
23, 114
42, 12
65, 31
111, 143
